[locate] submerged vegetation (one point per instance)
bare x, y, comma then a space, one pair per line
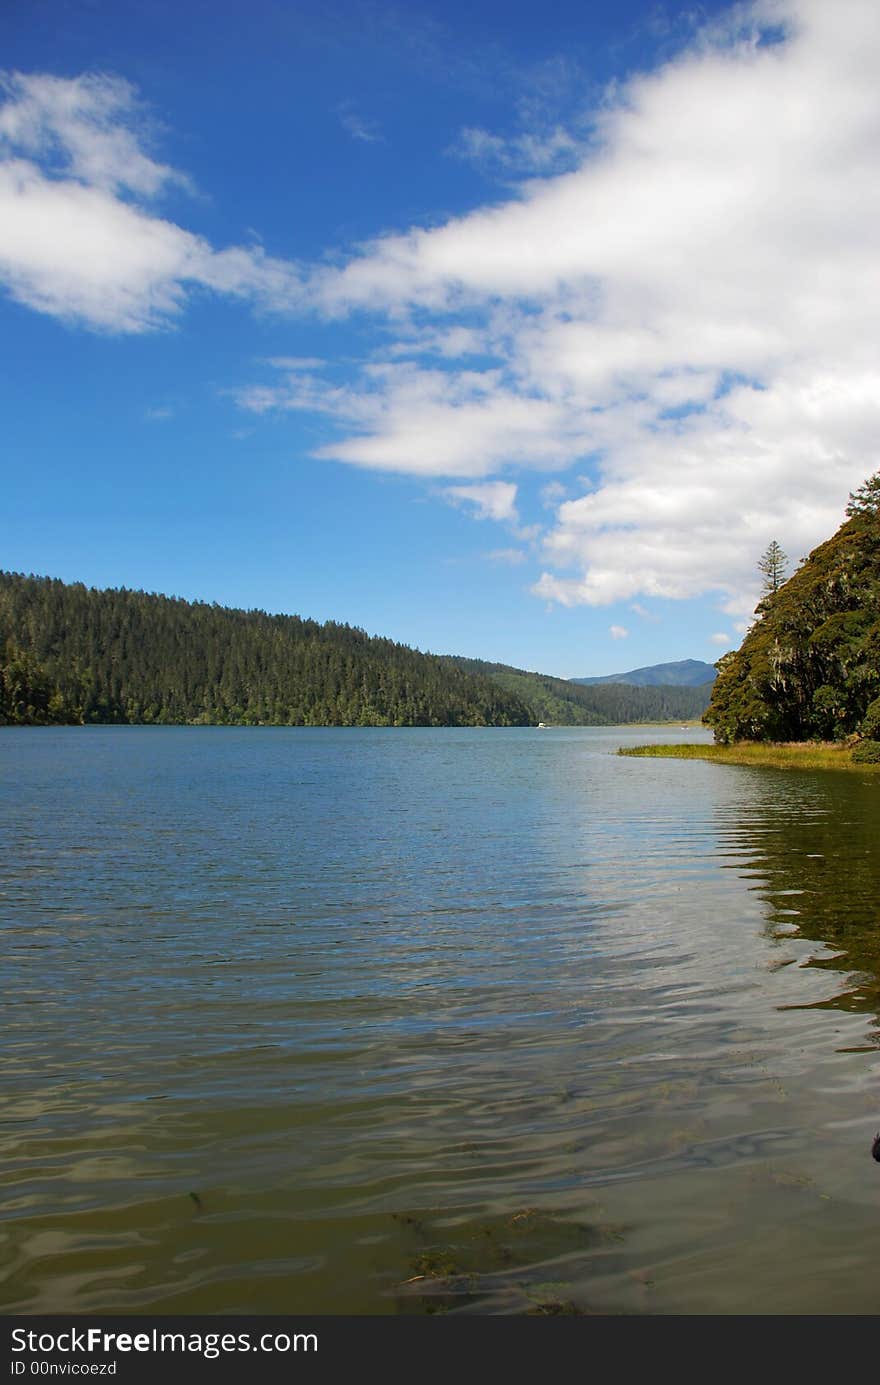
809, 668
74, 655
498, 1262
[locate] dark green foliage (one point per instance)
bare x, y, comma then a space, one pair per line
866, 500
867, 753
77, 655
809, 669
871, 720
27, 696
563, 702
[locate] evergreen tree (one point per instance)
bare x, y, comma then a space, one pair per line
772, 567
865, 501
809, 669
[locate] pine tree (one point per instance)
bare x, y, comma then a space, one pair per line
865, 501
772, 568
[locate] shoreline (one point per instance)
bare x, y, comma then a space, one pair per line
792, 755
673, 724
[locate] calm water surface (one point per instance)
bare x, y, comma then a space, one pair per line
392, 1021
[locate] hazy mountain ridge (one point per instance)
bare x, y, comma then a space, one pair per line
685, 673
564, 702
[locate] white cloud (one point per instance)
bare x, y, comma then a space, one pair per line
493, 500
540, 153
528, 532
78, 239
449, 343
721, 639
512, 556
618, 632
84, 127
295, 363
552, 493
426, 422
691, 313
364, 130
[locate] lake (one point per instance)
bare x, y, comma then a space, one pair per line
412, 1021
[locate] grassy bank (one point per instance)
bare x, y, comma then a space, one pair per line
796, 755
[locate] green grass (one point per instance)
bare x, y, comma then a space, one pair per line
797, 755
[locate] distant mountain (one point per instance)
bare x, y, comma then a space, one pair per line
687, 673
563, 702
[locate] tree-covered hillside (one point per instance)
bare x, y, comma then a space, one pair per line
563, 702
69, 654
809, 668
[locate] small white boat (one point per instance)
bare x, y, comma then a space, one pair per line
542, 726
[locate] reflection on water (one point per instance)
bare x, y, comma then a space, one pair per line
416, 1021
814, 850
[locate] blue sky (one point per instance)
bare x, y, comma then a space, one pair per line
504, 330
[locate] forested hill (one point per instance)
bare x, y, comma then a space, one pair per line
563, 702
70, 654
809, 668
